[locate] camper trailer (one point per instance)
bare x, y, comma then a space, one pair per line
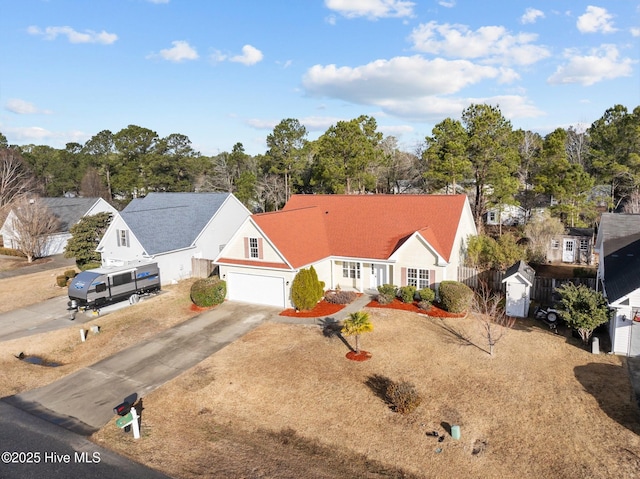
94, 288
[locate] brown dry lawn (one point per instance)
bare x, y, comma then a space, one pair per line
283, 401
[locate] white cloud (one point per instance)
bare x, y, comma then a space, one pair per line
88, 36
596, 19
635, 32
158, 1
250, 56
180, 51
371, 9
492, 44
38, 135
400, 77
531, 15
601, 64
447, 4
21, 107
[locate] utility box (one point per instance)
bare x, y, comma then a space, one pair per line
519, 279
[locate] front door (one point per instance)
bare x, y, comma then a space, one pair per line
378, 275
568, 250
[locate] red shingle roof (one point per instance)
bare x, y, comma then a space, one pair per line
312, 227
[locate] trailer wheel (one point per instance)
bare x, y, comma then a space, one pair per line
134, 298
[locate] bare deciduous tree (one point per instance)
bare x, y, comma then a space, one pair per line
494, 322
33, 225
540, 230
16, 179
633, 203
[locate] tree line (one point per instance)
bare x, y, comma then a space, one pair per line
481, 155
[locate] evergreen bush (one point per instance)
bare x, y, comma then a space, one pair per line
407, 293
70, 273
208, 292
386, 293
306, 290
455, 297
61, 280
427, 294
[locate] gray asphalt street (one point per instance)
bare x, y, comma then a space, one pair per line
31, 448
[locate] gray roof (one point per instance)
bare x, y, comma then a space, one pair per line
69, 210
521, 268
619, 240
165, 222
617, 225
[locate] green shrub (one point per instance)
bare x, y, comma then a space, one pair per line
407, 293
340, 297
70, 273
61, 280
208, 292
87, 266
306, 290
403, 396
386, 293
427, 294
455, 297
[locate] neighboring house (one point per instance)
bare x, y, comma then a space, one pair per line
618, 245
508, 215
171, 229
574, 246
68, 211
354, 242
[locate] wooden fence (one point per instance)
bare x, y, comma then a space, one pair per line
201, 268
542, 290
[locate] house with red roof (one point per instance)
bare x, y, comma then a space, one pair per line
355, 242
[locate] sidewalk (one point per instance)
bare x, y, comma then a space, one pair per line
356, 305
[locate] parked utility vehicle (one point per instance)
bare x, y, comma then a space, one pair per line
94, 288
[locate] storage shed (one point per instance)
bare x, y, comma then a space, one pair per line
519, 279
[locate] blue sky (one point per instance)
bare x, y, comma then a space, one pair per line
227, 71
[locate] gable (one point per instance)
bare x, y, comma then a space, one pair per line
374, 226
165, 222
250, 246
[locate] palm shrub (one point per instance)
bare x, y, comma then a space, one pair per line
356, 324
208, 292
407, 293
455, 297
306, 290
386, 293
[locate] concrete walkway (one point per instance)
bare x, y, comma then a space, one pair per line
357, 305
83, 401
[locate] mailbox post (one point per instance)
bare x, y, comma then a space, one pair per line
127, 420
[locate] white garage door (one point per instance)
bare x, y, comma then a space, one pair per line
254, 289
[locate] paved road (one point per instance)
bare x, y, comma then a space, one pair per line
49, 315
83, 401
28, 438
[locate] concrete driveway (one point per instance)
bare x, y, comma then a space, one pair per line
83, 401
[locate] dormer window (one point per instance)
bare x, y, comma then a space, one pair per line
254, 251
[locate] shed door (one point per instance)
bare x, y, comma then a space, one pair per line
568, 250
249, 288
517, 300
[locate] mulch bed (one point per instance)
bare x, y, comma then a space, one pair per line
322, 309
361, 356
413, 307
199, 309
